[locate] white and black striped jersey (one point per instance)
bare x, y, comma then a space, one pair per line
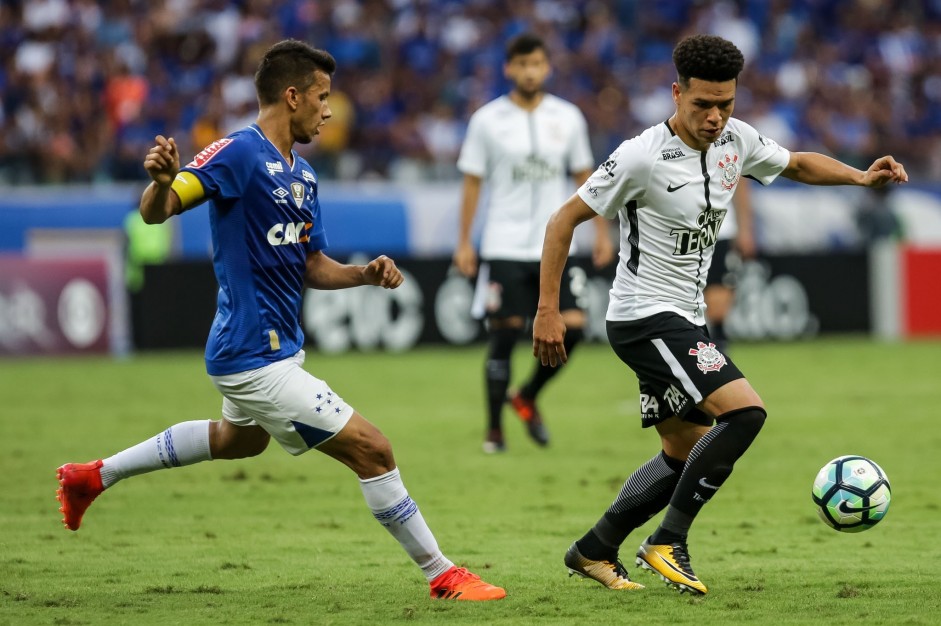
525, 158
671, 200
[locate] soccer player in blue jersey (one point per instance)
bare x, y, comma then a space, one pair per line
268, 241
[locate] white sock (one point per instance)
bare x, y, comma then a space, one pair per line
391, 505
182, 444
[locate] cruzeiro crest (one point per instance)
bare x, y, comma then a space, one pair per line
730, 171
708, 357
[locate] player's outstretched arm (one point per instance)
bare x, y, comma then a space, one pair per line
325, 273
158, 202
817, 169
548, 327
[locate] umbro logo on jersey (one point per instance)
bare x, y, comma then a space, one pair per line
671, 188
274, 167
280, 193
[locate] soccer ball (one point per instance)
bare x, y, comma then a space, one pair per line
852, 493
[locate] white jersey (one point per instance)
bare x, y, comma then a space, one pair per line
672, 200
526, 158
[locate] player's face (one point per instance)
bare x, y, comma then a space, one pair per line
312, 111
528, 72
702, 110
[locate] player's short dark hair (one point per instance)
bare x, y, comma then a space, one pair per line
290, 63
524, 43
707, 57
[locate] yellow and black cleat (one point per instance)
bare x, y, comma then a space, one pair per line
610, 574
671, 563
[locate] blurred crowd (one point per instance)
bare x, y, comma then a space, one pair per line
86, 84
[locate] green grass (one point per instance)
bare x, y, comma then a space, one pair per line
284, 540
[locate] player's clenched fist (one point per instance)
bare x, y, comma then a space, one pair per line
163, 161
382, 271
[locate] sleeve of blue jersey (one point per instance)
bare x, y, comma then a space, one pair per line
225, 173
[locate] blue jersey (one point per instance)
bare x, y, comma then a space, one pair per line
265, 219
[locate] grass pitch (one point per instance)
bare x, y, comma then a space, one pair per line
283, 540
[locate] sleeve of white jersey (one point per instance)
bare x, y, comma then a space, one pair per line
619, 180
473, 157
580, 157
766, 159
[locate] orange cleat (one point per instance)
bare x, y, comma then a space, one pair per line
79, 485
459, 584
526, 410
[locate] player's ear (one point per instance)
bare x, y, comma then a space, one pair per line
292, 96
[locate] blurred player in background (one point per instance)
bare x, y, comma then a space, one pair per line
671, 187
735, 245
268, 241
524, 145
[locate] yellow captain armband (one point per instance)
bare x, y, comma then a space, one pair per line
189, 189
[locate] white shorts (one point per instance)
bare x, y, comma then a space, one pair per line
297, 409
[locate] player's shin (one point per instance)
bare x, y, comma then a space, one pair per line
182, 444
709, 465
392, 507
500, 350
644, 494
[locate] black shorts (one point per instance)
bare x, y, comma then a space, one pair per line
676, 365
725, 263
512, 288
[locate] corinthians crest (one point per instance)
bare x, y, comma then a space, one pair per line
708, 358
730, 171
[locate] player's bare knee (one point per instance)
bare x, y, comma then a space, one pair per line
677, 447
678, 437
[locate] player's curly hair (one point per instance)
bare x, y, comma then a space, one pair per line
290, 63
707, 57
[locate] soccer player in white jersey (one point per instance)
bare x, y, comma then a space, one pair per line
524, 145
268, 241
671, 187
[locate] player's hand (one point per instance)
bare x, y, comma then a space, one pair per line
163, 161
548, 333
382, 272
883, 171
465, 259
